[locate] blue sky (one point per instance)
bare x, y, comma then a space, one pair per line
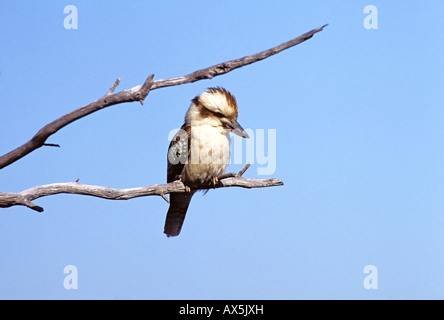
358, 116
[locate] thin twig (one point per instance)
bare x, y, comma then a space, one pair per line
226, 175
240, 174
51, 145
113, 87
165, 198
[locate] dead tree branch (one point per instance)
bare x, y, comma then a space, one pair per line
225, 67
139, 93
135, 94
26, 197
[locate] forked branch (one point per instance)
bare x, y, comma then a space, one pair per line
138, 94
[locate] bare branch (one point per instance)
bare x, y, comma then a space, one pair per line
140, 92
225, 67
108, 100
26, 197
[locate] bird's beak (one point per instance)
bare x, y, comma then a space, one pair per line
237, 129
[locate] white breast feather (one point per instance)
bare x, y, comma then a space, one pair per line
210, 153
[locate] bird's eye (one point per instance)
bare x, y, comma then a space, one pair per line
218, 114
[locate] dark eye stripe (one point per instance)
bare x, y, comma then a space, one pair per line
218, 114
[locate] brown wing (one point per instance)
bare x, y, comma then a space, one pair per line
178, 153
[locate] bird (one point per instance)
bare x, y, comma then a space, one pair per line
200, 151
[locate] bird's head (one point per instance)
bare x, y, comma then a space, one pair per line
217, 107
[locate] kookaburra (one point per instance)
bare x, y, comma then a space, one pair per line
200, 151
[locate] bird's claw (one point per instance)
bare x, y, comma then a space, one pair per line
187, 188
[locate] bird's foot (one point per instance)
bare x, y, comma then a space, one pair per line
214, 181
187, 188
